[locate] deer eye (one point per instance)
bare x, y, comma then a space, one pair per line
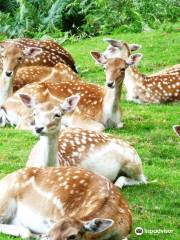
72, 237
123, 69
19, 58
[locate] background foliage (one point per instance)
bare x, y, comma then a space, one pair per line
84, 17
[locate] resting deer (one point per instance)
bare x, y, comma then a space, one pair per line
61, 204
11, 59
103, 154
14, 77
98, 107
157, 88
52, 53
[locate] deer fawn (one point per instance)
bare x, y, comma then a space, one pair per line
98, 107
63, 203
103, 154
52, 53
157, 88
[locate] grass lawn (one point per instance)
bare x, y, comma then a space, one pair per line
148, 128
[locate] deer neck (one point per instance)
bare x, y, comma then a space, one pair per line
111, 103
132, 80
6, 88
48, 150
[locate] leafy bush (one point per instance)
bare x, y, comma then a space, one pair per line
83, 17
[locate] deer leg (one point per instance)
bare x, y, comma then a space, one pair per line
135, 175
125, 181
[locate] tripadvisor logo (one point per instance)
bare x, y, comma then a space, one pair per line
139, 231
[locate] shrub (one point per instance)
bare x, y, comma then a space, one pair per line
84, 17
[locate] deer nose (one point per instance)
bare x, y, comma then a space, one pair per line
8, 73
39, 129
110, 84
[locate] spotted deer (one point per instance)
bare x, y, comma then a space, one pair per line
14, 77
157, 88
103, 154
11, 59
62, 204
98, 107
52, 53
60, 72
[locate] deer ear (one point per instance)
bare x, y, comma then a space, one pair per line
134, 47
70, 103
98, 225
176, 128
114, 43
32, 51
99, 58
134, 59
27, 100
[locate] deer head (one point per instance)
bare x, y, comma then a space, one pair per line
119, 49
12, 56
72, 229
115, 67
48, 114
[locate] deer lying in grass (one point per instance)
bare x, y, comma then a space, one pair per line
98, 107
157, 88
51, 54
100, 153
14, 77
62, 204
11, 59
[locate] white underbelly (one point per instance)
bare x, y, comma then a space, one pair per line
103, 162
29, 218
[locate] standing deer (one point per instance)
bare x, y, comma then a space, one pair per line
15, 77
98, 107
157, 88
103, 154
52, 53
62, 204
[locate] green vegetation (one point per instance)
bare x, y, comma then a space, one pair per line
58, 18
147, 127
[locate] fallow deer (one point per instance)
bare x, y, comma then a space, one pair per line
62, 204
14, 77
103, 154
98, 107
12, 56
60, 72
52, 53
157, 88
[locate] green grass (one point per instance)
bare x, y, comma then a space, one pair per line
147, 127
